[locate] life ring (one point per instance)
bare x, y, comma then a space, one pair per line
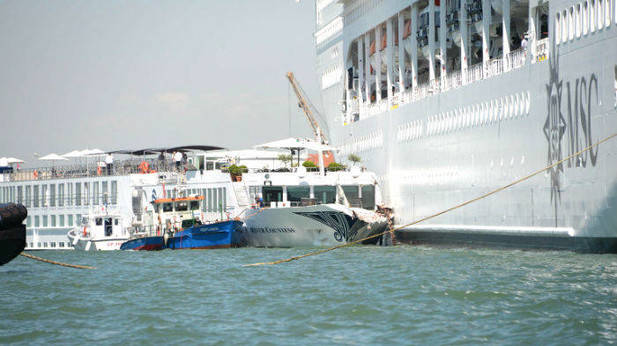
144, 167
99, 171
85, 233
35, 174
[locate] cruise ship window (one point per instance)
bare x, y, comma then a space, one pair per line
44, 244
20, 194
45, 221
53, 221
95, 193
564, 26
28, 196
77, 194
600, 13
592, 15
44, 195
60, 195
578, 20
114, 192
61, 244
224, 198
61, 220
104, 193
29, 221
70, 220
86, 193
37, 221
38, 244
571, 23
585, 17
52, 195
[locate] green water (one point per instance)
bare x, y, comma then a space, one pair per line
361, 295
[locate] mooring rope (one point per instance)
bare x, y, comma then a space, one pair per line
36, 258
439, 213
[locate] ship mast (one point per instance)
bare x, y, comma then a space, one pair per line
304, 104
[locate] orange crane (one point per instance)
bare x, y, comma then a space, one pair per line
308, 108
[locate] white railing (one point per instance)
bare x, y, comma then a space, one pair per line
514, 60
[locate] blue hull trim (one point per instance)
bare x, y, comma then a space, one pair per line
146, 243
210, 236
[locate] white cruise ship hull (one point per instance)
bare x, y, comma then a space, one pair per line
434, 152
313, 226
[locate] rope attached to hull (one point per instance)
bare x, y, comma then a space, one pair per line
36, 258
441, 212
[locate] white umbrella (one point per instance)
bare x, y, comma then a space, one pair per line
53, 157
74, 153
93, 152
297, 143
14, 160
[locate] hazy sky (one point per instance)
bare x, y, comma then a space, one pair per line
132, 74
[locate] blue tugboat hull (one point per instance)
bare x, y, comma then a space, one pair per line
211, 236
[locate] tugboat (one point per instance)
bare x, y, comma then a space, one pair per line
98, 232
12, 231
177, 223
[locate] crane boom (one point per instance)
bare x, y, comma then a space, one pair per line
304, 104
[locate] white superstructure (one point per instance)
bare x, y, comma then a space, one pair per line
59, 198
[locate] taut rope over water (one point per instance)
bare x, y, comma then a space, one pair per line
36, 258
441, 212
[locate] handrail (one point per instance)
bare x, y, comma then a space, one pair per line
495, 67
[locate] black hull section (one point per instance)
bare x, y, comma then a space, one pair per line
12, 242
488, 240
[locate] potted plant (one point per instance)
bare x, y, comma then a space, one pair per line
354, 158
236, 172
333, 167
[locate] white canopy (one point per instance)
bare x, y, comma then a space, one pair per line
14, 160
4, 161
93, 152
84, 153
52, 157
74, 153
295, 143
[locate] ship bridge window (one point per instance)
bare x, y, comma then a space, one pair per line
272, 194
194, 205
353, 195
167, 207
325, 194
368, 197
296, 193
182, 206
98, 221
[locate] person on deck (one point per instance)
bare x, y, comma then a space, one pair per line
178, 159
109, 161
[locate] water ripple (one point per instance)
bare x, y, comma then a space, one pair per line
358, 295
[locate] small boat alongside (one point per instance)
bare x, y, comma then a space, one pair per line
215, 235
12, 231
177, 223
98, 232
